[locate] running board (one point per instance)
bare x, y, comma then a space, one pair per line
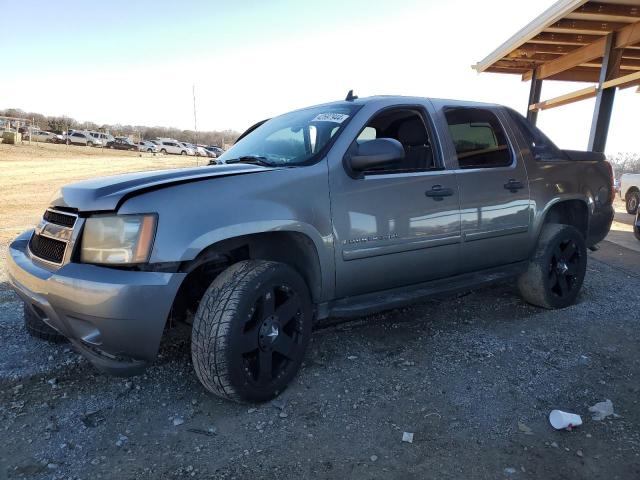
399, 297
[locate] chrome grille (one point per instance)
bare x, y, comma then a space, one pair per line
60, 218
54, 237
47, 249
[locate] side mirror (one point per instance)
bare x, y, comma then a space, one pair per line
376, 153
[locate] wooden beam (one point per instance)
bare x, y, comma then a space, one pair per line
564, 38
584, 26
607, 11
531, 47
626, 81
633, 54
577, 74
572, 97
628, 35
513, 71
573, 59
627, 64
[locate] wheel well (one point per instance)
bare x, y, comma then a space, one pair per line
570, 212
631, 190
292, 248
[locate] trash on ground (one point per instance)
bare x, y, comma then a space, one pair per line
561, 420
524, 429
602, 410
177, 421
407, 437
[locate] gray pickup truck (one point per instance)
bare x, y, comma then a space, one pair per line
335, 210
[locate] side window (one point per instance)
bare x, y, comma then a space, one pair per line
479, 139
369, 133
408, 127
541, 147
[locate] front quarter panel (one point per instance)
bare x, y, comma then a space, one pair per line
195, 215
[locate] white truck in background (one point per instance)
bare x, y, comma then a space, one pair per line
630, 191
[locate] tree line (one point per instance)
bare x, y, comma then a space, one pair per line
60, 124
625, 163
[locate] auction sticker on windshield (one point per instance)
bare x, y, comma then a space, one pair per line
330, 117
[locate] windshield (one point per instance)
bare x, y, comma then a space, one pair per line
294, 138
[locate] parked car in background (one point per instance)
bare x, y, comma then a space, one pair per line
40, 136
174, 147
103, 137
83, 138
201, 151
122, 143
630, 191
215, 149
190, 148
147, 146
59, 138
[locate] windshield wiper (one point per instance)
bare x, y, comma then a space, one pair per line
255, 159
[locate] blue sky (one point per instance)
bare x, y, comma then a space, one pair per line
136, 62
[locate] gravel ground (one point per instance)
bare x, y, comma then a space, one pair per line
473, 377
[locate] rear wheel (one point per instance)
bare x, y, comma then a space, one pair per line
556, 272
632, 201
163, 151
251, 331
38, 329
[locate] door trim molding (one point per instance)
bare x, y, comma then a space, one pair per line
398, 247
472, 237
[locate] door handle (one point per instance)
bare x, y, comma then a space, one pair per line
437, 192
513, 185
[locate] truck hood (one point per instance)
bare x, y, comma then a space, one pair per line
107, 193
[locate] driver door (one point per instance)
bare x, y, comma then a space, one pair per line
390, 228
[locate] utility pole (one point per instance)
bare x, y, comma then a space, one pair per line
195, 120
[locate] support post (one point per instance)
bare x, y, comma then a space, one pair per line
605, 96
534, 97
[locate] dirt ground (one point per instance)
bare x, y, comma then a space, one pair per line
473, 377
31, 174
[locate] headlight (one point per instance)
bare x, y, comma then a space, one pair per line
118, 239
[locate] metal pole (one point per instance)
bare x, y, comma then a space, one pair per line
195, 121
534, 97
605, 97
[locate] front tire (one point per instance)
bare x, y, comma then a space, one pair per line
556, 271
251, 331
631, 202
40, 330
163, 151
183, 152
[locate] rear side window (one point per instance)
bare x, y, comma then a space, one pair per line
541, 147
479, 139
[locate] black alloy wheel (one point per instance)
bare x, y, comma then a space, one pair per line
564, 268
251, 330
555, 273
271, 340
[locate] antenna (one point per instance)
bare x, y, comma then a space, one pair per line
350, 96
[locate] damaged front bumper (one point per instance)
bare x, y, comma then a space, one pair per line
114, 317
